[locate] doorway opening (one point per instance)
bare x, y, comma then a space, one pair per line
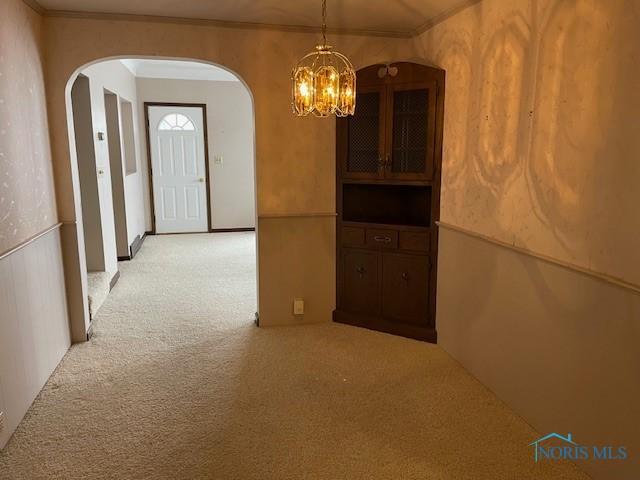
90, 175
162, 147
114, 142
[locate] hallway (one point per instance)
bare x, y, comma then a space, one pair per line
178, 383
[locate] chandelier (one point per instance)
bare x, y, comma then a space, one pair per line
324, 81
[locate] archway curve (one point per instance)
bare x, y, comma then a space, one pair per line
73, 245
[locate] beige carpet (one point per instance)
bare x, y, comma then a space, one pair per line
98, 286
177, 383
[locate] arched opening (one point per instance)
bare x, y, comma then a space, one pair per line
173, 153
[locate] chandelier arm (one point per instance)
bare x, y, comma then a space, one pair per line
315, 61
310, 54
344, 59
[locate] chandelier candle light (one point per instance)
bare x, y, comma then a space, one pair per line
324, 81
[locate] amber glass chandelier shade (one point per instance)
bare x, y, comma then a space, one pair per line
347, 92
324, 81
303, 91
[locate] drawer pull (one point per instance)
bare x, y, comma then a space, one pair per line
382, 238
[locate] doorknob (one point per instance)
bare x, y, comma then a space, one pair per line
201, 179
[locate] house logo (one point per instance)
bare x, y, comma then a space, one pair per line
558, 447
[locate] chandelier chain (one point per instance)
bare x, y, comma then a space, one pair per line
324, 22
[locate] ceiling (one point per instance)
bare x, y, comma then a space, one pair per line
397, 17
177, 70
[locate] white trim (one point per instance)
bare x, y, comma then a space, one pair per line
545, 258
29, 240
296, 215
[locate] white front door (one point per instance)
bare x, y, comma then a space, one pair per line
178, 169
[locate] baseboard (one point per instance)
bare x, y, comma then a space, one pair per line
427, 334
90, 331
137, 244
228, 230
134, 248
114, 280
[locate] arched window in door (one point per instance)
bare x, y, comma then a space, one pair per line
176, 121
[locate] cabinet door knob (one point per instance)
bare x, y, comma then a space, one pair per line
405, 276
360, 271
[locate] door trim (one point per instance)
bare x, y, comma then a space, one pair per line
202, 106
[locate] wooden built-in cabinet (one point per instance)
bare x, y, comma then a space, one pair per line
392, 134
388, 199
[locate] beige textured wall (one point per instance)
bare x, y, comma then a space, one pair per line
541, 151
34, 330
295, 157
542, 139
27, 202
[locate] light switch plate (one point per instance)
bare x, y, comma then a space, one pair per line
218, 160
298, 306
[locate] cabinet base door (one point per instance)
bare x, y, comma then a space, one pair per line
360, 292
405, 288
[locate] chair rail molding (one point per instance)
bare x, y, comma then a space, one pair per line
30, 240
525, 251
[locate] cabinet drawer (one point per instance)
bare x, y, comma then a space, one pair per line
416, 241
352, 236
379, 238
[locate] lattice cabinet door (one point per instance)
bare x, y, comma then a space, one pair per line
410, 135
361, 138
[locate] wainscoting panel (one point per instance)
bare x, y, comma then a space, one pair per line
297, 260
34, 328
559, 346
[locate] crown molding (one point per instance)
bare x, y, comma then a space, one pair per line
222, 23
442, 17
251, 25
33, 4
